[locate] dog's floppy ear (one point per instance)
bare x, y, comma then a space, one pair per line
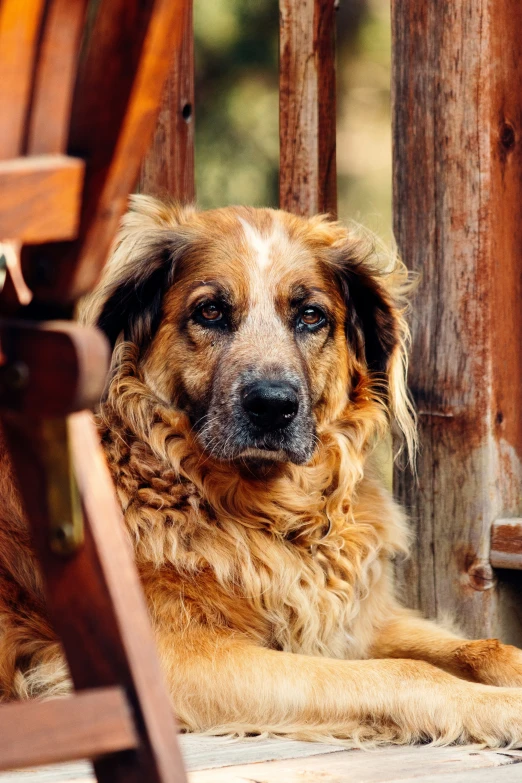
129, 298
372, 326
375, 287
133, 306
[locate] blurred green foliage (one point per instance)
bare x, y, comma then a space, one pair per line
237, 144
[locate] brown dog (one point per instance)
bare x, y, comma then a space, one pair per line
258, 358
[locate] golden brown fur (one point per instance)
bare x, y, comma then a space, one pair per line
267, 569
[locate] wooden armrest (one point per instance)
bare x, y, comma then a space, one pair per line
40, 198
90, 724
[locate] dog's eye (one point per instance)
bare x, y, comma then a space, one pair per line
311, 317
211, 312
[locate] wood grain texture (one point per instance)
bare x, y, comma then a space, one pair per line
95, 599
116, 99
90, 724
53, 81
40, 198
206, 752
457, 80
19, 37
506, 544
307, 107
168, 167
244, 761
384, 765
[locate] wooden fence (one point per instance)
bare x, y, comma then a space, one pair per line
456, 83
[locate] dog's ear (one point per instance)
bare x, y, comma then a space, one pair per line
133, 306
129, 298
372, 322
375, 287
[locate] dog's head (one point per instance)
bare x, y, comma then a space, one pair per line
260, 325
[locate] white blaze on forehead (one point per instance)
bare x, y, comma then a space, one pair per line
261, 245
262, 319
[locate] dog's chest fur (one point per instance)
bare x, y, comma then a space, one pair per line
291, 572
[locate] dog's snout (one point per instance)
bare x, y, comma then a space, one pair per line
270, 405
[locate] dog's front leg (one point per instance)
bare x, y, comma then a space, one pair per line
485, 660
228, 684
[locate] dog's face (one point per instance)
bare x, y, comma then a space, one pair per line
256, 323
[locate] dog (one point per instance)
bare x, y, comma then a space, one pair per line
258, 358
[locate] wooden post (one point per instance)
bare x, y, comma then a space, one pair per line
307, 169
168, 168
457, 82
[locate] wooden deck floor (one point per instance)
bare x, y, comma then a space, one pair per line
216, 760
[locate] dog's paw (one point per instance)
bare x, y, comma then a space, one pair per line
491, 662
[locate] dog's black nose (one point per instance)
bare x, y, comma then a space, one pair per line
270, 405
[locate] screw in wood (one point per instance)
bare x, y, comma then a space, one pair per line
14, 377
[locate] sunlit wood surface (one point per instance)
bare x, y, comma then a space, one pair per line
218, 760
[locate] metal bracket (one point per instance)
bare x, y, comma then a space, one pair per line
66, 531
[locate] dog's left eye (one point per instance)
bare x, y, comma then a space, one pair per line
210, 314
311, 318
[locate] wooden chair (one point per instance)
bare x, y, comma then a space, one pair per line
75, 121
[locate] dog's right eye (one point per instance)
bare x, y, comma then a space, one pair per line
210, 314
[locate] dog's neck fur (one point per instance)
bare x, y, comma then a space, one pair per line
198, 513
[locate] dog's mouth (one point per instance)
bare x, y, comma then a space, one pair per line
263, 455
233, 444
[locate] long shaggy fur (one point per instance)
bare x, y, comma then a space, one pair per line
269, 583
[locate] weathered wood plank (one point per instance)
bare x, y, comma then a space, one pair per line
457, 79
91, 723
76, 772
390, 764
506, 544
307, 107
40, 197
380, 766
200, 752
508, 774
168, 167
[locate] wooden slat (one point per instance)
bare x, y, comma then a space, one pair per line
116, 100
54, 367
207, 752
54, 77
40, 198
19, 30
95, 599
506, 544
457, 77
168, 168
307, 107
87, 725
382, 765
